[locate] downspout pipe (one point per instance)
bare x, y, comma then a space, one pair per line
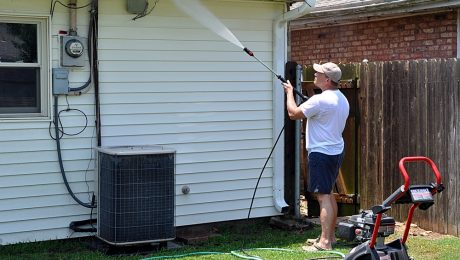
279, 59
458, 33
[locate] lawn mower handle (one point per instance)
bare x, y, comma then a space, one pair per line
415, 159
379, 209
439, 187
405, 187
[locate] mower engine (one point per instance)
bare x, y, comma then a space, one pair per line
359, 227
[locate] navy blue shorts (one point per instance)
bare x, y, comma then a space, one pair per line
323, 170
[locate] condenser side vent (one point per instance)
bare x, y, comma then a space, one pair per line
136, 194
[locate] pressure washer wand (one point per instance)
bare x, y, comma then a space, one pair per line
250, 53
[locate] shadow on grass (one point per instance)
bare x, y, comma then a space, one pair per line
232, 236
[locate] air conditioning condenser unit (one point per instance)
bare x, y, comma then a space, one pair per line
135, 194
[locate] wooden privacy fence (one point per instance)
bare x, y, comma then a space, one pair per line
411, 108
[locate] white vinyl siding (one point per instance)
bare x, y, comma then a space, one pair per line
34, 203
164, 80
180, 85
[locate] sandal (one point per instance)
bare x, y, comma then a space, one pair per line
312, 241
314, 248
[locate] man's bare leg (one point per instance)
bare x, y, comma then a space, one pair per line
327, 220
336, 211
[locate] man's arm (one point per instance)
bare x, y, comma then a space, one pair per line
294, 111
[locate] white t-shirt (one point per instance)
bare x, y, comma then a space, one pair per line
326, 115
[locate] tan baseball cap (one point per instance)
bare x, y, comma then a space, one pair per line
331, 70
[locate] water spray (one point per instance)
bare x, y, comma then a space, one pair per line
195, 9
250, 53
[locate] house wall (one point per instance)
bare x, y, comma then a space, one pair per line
413, 37
164, 80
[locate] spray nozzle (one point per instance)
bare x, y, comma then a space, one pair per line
248, 51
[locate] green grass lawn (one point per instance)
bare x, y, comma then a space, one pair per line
232, 237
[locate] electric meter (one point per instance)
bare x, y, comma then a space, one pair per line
74, 48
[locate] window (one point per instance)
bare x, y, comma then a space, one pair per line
24, 73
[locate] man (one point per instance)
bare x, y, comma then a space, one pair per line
326, 115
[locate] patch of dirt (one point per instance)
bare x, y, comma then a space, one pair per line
417, 231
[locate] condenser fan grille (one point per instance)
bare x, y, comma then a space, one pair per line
136, 197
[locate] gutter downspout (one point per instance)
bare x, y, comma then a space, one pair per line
279, 59
458, 33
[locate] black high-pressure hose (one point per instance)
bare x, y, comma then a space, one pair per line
303, 98
258, 181
263, 168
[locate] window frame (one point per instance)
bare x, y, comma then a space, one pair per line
43, 63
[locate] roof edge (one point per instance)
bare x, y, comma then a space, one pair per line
321, 18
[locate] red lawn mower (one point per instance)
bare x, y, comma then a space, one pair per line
370, 227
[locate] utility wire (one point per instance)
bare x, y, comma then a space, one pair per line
145, 12
54, 2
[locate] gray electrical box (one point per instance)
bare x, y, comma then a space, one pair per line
60, 81
73, 51
137, 6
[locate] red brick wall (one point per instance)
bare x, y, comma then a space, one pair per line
414, 37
